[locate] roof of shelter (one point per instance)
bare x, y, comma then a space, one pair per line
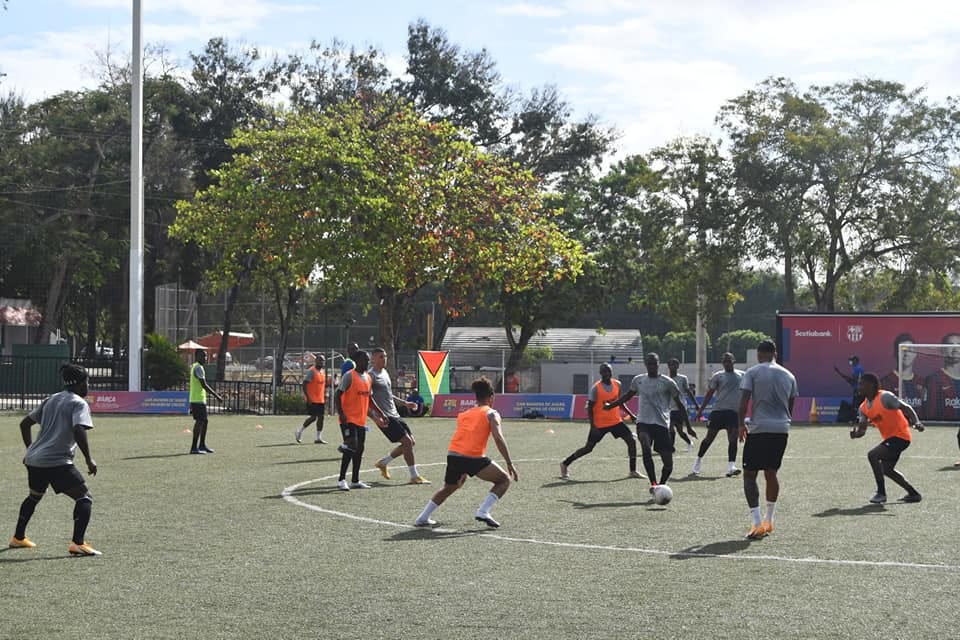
566, 343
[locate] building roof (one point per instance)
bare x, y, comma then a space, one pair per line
566, 344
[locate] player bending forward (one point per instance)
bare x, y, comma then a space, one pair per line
892, 417
467, 457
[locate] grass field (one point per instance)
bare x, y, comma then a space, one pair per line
254, 542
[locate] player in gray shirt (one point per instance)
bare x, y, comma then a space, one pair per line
64, 420
658, 395
396, 429
772, 390
725, 386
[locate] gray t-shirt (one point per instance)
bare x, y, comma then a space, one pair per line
381, 392
657, 398
726, 390
771, 388
57, 415
683, 383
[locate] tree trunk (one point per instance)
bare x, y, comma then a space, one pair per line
228, 307
517, 346
286, 310
55, 300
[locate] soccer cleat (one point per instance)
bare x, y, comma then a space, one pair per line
880, 498
319, 440
419, 480
206, 449
733, 471
383, 470
756, 532
696, 467
196, 451
21, 543
359, 485
911, 497
637, 474
485, 517
298, 434
342, 485
767, 527
82, 550
957, 463
653, 486
425, 523
564, 472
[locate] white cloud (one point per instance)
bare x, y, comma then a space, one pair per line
527, 10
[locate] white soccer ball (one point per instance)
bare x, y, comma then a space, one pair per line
662, 494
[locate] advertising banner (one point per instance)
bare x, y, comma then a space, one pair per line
172, 402
512, 405
819, 349
433, 374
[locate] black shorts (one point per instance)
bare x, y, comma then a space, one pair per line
199, 411
892, 448
62, 478
459, 465
678, 418
764, 451
724, 419
315, 408
620, 430
395, 429
659, 436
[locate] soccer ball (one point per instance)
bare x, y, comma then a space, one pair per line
662, 494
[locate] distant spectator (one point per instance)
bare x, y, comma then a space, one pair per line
512, 383
422, 408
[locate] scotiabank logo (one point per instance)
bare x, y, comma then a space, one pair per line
812, 333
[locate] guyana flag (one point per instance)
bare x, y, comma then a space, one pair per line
433, 374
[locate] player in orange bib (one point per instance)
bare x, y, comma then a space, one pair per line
466, 456
604, 421
352, 399
315, 392
893, 418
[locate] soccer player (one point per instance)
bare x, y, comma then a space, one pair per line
893, 418
725, 384
352, 400
604, 421
315, 391
64, 420
466, 456
199, 388
943, 386
679, 419
396, 430
773, 389
657, 394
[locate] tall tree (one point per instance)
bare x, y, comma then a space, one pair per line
846, 176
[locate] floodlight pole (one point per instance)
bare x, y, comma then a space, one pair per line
135, 285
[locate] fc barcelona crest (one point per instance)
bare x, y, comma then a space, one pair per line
855, 332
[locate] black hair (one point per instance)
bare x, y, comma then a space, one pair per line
482, 388
903, 337
871, 378
767, 346
72, 374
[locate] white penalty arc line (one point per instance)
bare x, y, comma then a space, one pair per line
287, 494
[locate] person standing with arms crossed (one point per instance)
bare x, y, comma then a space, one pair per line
315, 391
893, 418
64, 420
466, 456
725, 384
199, 388
772, 390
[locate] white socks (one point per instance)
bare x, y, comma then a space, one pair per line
488, 503
755, 514
427, 511
414, 474
771, 509
385, 460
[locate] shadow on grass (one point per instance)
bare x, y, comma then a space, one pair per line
572, 481
430, 533
950, 467
158, 456
694, 478
310, 461
605, 505
279, 444
711, 550
4, 558
863, 510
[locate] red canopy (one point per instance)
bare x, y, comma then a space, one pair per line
212, 340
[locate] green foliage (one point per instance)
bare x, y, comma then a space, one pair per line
678, 344
534, 355
652, 344
290, 404
739, 341
163, 365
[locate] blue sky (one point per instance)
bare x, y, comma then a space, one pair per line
653, 69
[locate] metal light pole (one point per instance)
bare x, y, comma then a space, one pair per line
135, 324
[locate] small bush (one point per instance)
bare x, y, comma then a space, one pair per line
163, 365
291, 404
